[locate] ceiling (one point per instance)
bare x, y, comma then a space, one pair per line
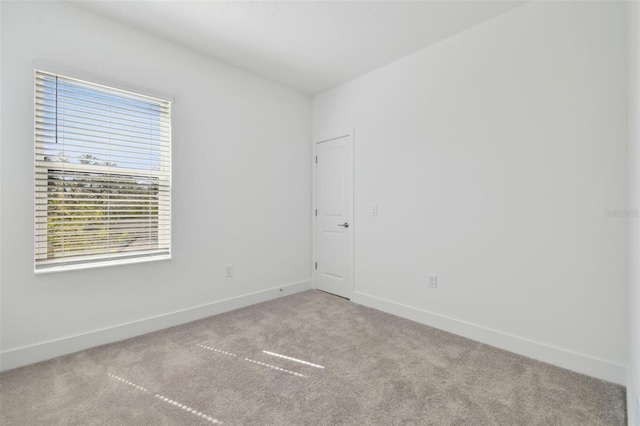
307, 45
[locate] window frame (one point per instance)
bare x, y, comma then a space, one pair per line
162, 174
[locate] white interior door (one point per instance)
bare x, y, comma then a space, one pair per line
334, 216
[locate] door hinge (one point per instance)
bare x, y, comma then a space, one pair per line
316, 212
316, 265
316, 159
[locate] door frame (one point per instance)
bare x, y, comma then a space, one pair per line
314, 206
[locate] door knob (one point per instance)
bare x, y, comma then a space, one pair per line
346, 224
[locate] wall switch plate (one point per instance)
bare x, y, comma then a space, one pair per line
374, 210
432, 280
228, 271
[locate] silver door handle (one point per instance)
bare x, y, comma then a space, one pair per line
346, 224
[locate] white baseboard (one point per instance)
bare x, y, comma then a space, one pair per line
19, 357
573, 361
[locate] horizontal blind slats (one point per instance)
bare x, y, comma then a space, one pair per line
74, 153
102, 187
58, 141
50, 104
46, 89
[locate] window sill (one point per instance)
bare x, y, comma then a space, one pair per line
101, 264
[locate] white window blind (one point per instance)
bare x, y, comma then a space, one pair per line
102, 174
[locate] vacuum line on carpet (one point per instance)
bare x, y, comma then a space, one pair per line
275, 367
293, 359
188, 409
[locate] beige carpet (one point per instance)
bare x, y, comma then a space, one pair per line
361, 367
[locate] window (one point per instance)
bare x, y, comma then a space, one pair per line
102, 174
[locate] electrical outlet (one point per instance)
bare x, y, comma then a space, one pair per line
228, 271
374, 210
432, 280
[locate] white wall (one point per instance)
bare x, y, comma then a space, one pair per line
492, 157
241, 187
633, 382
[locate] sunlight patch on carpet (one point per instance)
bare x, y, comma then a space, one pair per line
126, 382
275, 367
293, 359
188, 409
217, 350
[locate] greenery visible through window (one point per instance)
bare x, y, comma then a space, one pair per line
102, 173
